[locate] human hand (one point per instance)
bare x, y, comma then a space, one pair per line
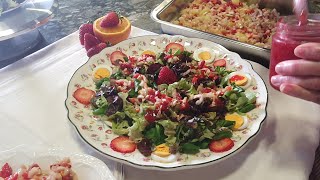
301, 78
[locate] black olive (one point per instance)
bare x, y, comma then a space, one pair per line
154, 68
107, 91
184, 58
94, 101
180, 68
201, 108
144, 146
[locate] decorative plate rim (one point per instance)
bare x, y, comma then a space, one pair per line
184, 166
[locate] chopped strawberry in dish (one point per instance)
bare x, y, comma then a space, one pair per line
61, 170
6, 171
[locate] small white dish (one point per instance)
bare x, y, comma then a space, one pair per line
86, 167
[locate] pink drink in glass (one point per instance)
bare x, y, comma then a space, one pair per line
288, 36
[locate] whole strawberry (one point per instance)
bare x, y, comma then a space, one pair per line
166, 76
111, 19
96, 49
90, 41
83, 29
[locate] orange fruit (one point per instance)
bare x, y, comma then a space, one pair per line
114, 34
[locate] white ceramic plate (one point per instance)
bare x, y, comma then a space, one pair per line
85, 166
97, 134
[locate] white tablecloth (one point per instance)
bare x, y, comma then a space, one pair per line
32, 112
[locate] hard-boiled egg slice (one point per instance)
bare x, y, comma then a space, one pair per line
162, 154
148, 52
169, 159
240, 79
101, 71
204, 54
162, 150
241, 122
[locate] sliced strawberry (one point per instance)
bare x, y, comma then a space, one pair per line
117, 56
6, 171
111, 19
96, 49
166, 76
220, 62
13, 177
90, 41
174, 47
221, 145
83, 29
83, 95
123, 144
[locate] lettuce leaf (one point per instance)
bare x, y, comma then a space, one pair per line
135, 131
189, 148
169, 130
120, 128
183, 84
207, 134
124, 97
156, 134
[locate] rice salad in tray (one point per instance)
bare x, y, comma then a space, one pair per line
235, 19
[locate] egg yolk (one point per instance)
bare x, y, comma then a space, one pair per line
148, 52
162, 150
239, 80
237, 118
101, 73
205, 55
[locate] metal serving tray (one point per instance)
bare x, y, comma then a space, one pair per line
169, 9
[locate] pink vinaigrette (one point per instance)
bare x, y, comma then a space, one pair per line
290, 34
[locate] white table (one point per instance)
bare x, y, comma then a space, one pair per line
32, 111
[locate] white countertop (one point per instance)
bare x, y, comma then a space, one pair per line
32, 111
